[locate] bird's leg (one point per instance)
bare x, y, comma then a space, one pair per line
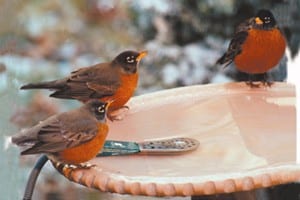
250, 82
262, 78
117, 115
265, 81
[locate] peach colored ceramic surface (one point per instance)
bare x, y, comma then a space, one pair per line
247, 140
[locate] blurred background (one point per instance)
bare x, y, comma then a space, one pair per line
46, 40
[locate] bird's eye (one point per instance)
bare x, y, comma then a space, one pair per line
101, 109
130, 59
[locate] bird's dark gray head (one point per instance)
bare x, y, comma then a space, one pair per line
97, 108
265, 19
129, 60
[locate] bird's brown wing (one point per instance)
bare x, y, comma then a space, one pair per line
55, 137
235, 46
93, 82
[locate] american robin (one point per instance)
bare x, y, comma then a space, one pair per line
257, 46
115, 80
72, 137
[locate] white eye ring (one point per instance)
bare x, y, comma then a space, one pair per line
101, 109
130, 59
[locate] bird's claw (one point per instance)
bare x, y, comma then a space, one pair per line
117, 115
257, 85
253, 85
63, 166
267, 83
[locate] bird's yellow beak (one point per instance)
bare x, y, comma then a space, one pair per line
258, 20
141, 55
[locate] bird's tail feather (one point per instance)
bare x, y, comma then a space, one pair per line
43, 85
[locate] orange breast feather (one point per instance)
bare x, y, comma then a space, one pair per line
261, 51
86, 151
123, 93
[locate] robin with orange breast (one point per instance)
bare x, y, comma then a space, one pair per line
112, 81
257, 46
72, 137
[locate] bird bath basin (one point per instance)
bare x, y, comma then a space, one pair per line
247, 140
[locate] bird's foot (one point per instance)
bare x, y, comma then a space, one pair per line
253, 85
68, 169
257, 85
63, 166
86, 165
80, 166
119, 114
267, 83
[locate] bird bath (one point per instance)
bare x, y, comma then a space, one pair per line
247, 140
